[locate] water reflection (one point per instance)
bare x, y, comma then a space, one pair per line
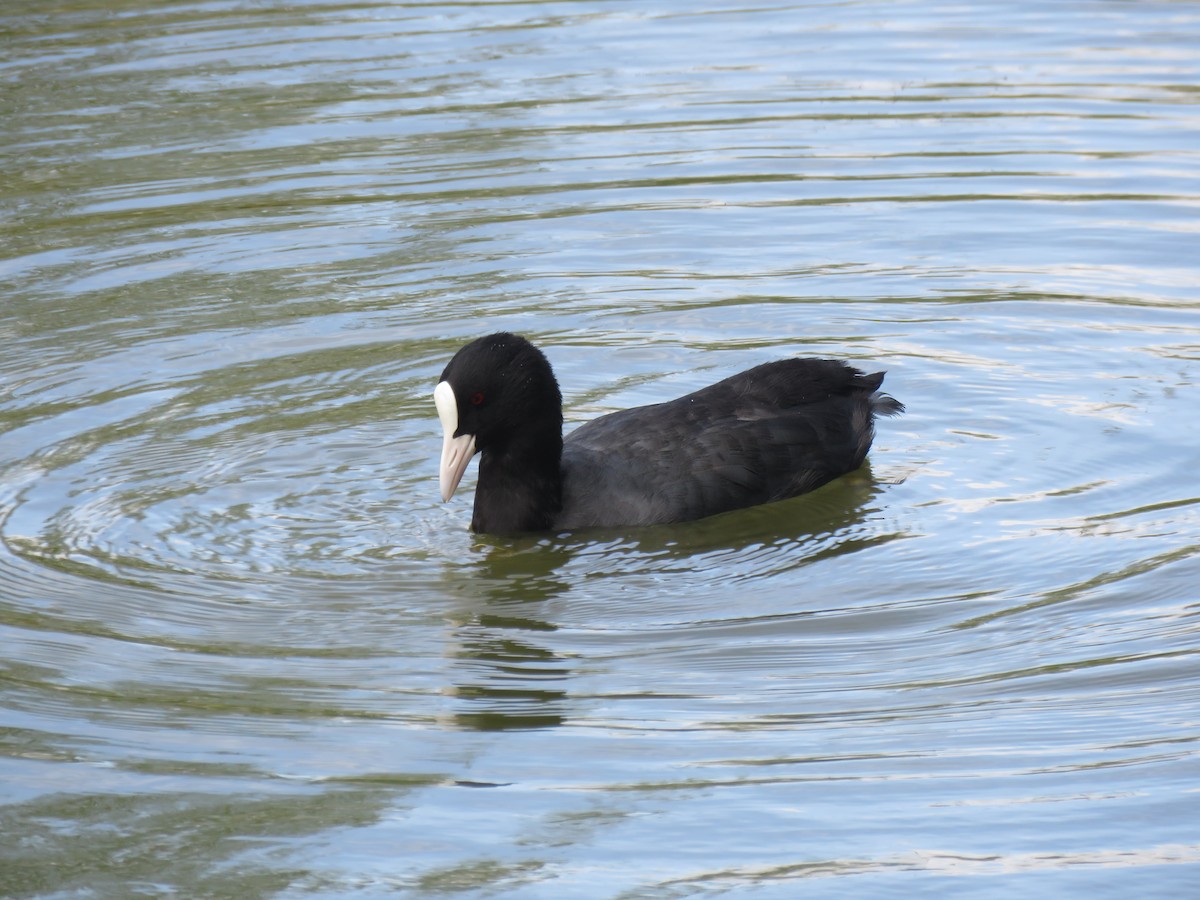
116, 844
236, 621
505, 678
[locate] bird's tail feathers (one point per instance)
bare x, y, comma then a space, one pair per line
885, 405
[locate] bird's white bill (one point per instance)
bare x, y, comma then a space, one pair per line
456, 451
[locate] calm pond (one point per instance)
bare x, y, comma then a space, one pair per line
247, 652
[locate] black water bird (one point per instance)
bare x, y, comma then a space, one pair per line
766, 434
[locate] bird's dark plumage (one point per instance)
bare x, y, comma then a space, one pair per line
766, 434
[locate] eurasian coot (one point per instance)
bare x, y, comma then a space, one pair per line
769, 433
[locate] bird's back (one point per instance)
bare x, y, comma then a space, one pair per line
766, 434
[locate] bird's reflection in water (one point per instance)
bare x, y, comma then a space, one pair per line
507, 679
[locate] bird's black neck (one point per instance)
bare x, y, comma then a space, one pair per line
520, 486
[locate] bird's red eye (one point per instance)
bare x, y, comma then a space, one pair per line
477, 398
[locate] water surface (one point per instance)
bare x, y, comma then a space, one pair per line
247, 653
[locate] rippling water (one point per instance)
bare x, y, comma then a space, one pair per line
246, 651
